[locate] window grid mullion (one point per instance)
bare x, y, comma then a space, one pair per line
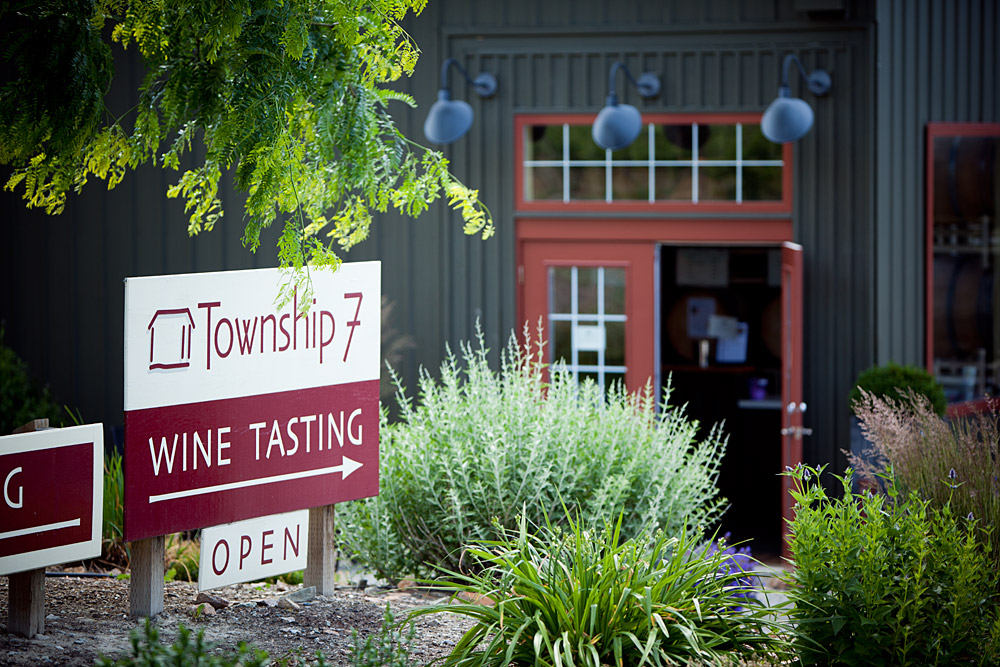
739, 163
600, 323
574, 311
694, 162
651, 134
565, 162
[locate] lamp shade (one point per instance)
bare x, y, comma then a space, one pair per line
448, 119
786, 119
616, 126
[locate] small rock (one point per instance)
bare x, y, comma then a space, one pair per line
286, 603
51, 617
267, 602
39, 636
287, 619
407, 583
476, 598
213, 600
302, 595
78, 641
203, 609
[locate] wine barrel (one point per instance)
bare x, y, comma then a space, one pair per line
963, 306
965, 178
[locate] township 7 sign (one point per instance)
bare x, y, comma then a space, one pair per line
235, 408
50, 510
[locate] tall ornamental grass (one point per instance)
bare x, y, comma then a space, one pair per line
480, 445
956, 461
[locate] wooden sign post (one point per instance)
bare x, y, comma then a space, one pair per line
236, 408
50, 513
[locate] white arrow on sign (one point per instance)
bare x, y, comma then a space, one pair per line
346, 467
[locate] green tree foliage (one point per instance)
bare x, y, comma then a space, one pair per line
293, 95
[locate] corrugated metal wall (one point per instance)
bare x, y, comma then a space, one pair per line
937, 62
858, 183
554, 57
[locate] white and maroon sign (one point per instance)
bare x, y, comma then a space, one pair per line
253, 549
235, 408
52, 490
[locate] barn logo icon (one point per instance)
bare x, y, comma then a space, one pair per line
170, 339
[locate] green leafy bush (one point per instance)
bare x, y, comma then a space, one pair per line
20, 400
587, 598
953, 462
482, 444
895, 381
888, 580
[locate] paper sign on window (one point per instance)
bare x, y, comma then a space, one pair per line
588, 338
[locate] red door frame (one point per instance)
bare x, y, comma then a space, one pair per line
792, 406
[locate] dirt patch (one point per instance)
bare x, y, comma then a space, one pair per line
89, 617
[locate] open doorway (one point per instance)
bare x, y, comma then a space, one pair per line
720, 344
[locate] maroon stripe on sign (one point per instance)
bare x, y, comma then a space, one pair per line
261, 450
52, 486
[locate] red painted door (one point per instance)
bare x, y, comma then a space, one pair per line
793, 407
596, 303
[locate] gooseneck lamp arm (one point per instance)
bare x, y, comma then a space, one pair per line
485, 84
648, 84
818, 82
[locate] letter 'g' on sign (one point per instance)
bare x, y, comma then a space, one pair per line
19, 503
254, 549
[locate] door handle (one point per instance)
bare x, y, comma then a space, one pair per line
797, 431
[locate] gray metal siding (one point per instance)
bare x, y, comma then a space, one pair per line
937, 62
858, 180
551, 67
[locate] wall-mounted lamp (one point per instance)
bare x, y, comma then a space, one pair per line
449, 119
789, 118
618, 125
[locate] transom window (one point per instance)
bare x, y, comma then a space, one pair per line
587, 321
670, 162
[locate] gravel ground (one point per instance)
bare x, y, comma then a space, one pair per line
88, 617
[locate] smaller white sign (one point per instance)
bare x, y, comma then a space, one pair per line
588, 338
721, 326
243, 551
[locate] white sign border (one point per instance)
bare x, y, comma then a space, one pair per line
51, 439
